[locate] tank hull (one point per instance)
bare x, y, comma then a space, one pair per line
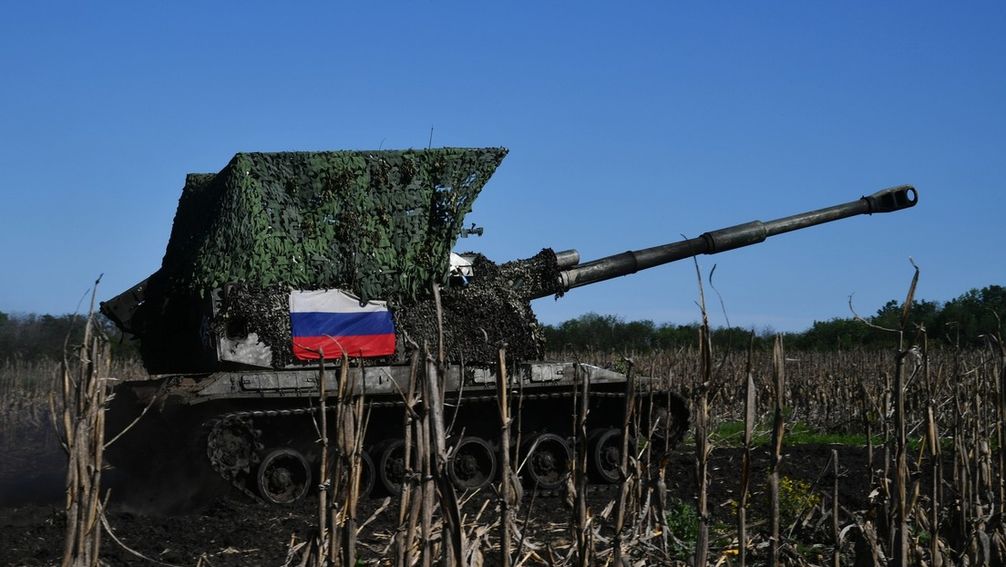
237, 424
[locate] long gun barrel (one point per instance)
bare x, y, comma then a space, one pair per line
886, 201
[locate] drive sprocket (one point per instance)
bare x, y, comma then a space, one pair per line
232, 446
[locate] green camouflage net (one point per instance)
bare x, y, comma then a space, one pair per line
491, 310
379, 223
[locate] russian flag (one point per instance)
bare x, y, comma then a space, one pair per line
334, 322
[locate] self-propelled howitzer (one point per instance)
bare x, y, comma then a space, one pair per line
214, 322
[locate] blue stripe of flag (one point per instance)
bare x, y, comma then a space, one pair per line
314, 324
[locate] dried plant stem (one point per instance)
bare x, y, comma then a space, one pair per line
453, 532
750, 404
624, 473
354, 429
406, 535
933, 437
502, 388
901, 472
427, 501
1000, 384
836, 554
867, 405
324, 541
778, 429
83, 406
580, 521
901, 467
702, 448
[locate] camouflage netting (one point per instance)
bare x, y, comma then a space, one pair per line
494, 308
380, 224
264, 311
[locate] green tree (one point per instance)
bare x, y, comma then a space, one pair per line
970, 316
32, 337
966, 320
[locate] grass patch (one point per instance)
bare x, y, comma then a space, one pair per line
731, 434
683, 523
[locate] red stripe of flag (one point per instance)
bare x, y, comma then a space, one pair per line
306, 348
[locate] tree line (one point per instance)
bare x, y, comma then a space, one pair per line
967, 321
32, 337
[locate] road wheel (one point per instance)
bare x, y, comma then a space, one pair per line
605, 447
283, 476
473, 465
390, 455
548, 461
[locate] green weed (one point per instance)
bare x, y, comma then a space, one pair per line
683, 522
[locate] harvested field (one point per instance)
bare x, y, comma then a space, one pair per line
838, 402
229, 530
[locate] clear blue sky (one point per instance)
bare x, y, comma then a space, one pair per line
627, 126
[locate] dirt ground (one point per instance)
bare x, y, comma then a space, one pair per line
225, 528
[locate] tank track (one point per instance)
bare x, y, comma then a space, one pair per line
235, 444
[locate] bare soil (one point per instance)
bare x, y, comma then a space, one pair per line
225, 528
